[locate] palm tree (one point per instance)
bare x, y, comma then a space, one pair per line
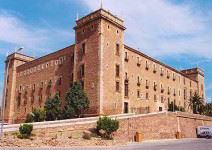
196, 103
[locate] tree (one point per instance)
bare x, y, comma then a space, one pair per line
196, 103
53, 108
208, 109
76, 100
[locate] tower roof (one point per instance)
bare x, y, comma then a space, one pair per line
100, 14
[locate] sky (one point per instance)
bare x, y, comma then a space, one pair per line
176, 32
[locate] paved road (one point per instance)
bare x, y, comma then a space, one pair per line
188, 144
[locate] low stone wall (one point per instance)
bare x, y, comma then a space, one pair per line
163, 125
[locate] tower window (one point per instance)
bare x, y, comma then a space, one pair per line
126, 57
117, 70
117, 49
117, 86
82, 70
83, 49
126, 92
138, 94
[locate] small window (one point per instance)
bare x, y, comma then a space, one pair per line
117, 86
155, 98
117, 49
147, 95
59, 81
126, 92
83, 49
117, 70
126, 57
82, 70
82, 84
138, 94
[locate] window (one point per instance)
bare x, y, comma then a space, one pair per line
160, 108
162, 89
138, 94
125, 107
202, 88
184, 81
162, 99
155, 98
126, 84
117, 86
82, 84
147, 65
117, 71
174, 78
59, 81
138, 81
117, 49
126, 57
190, 84
161, 71
126, 76
168, 76
138, 62
154, 68
185, 94
147, 95
168, 90
82, 70
174, 92
82, 51
155, 86
147, 84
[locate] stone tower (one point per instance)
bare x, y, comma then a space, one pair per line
12, 62
98, 60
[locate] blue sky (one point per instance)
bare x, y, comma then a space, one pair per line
177, 32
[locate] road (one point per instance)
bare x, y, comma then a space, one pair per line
187, 144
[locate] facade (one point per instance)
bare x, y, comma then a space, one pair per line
117, 78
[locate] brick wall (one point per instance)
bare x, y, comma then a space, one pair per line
162, 125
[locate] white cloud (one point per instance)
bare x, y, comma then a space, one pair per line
15, 32
159, 27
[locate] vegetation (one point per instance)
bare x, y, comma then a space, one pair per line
76, 101
208, 109
53, 108
196, 103
29, 118
25, 131
37, 115
108, 126
174, 107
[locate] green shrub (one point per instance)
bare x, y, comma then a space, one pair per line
39, 115
108, 125
29, 118
25, 131
53, 108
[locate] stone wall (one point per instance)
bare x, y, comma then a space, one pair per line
162, 125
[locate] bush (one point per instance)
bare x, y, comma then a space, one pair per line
29, 118
108, 125
25, 131
39, 115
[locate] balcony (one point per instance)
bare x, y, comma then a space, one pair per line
168, 76
155, 87
161, 74
147, 68
138, 84
162, 90
138, 64
126, 58
154, 71
147, 86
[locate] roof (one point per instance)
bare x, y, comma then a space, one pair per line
156, 61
